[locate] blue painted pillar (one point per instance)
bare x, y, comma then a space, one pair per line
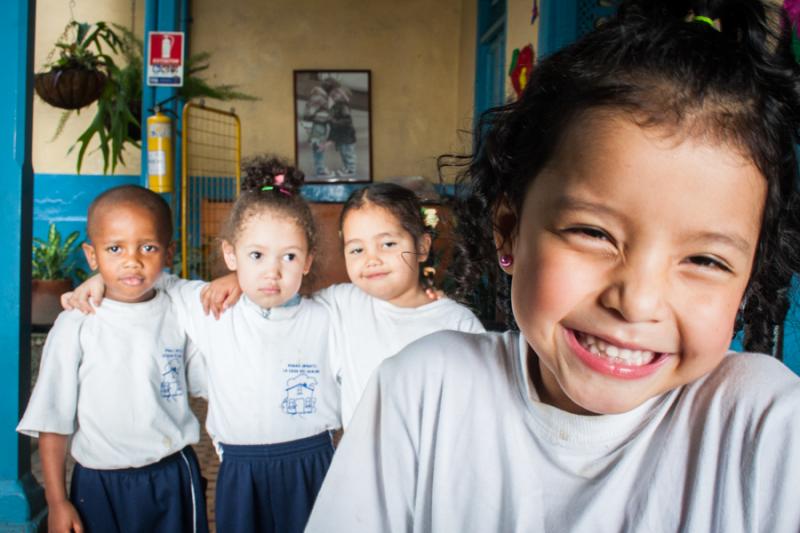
164, 15
21, 498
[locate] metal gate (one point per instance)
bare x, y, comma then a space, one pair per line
211, 172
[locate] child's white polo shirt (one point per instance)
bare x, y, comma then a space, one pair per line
451, 436
368, 330
116, 381
269, 378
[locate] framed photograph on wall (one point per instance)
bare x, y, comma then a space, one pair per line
333, 133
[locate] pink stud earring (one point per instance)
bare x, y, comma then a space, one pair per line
506, 260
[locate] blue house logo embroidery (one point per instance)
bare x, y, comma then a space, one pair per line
170, 380
299, 398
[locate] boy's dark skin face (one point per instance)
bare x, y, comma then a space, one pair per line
128, 249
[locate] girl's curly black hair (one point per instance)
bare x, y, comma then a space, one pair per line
271, 184
659, 66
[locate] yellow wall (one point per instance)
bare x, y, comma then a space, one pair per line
421, 54
519, 32
414, 49
51, 18
466, 71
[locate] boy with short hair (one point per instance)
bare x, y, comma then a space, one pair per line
116, 381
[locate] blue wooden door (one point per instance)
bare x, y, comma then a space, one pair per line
490, 55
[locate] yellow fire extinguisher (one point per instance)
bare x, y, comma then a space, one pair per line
160, 168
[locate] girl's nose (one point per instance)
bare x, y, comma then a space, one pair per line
272, 270
637, 292
373, 259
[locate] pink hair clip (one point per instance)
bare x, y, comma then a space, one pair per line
284, 191
279, 179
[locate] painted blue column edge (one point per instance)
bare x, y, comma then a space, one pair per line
21, 498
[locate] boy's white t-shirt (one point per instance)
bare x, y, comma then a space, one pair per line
367, 330
116, 380
449, 437
269, 378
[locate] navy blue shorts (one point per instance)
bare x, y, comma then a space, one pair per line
270, 488
164, 497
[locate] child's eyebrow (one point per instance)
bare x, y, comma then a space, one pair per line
570, 203
727, 239
351, 241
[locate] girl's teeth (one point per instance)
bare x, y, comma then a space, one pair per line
621, 355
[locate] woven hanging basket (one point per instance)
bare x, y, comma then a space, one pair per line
70, 88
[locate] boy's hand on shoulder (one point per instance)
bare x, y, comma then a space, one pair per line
62, 517
87, 293
220, 294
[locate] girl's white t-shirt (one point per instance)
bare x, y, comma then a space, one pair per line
450, 437
116, 381
269, 378
367, 330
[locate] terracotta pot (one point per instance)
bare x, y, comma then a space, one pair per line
70, 88
46, 299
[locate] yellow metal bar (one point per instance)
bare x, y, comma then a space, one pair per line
184, 190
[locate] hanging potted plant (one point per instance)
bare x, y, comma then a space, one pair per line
117, 122
53, 269
79, 75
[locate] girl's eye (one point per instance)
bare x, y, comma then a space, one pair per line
389, 244
113, 249
289, 257
355, 251
705, 261
255, 255
589, 232
150, 248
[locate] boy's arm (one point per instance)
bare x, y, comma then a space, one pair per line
62, 515
89, 294
196, 371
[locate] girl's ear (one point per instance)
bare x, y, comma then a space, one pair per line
307, 266
229, 254
423, 247
505, 227
91, 256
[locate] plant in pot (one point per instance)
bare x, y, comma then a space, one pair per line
53, 269
117, 122
79, 75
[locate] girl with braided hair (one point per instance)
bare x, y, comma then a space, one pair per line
638, 197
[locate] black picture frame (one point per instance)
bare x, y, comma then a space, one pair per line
333, 125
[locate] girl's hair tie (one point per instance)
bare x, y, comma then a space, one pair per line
281, 190
706, 20
429, 217
279, 179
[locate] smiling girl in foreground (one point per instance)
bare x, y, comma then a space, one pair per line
638, 196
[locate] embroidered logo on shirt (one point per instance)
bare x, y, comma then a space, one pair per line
300, 389
171, 383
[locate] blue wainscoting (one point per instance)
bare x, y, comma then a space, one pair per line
64, 199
